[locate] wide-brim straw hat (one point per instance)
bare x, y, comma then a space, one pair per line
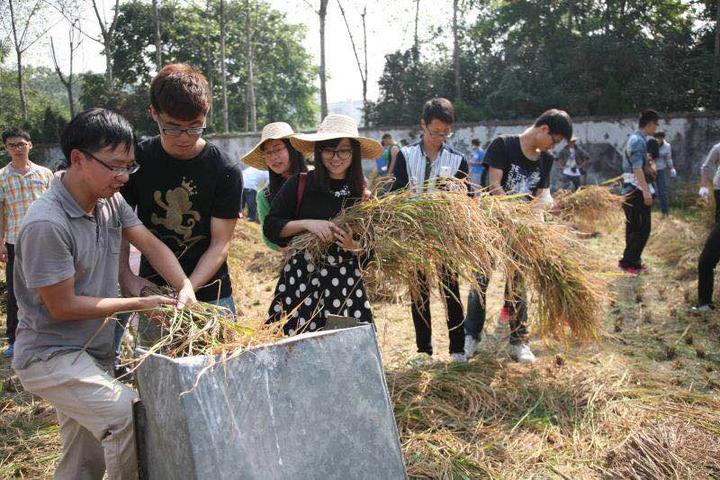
337, 126
271, 131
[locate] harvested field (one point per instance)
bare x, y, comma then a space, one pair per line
643, 402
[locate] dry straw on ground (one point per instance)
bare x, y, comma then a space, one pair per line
404, 233
590, 208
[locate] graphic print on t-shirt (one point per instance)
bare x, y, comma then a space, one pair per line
179, 214
521, 180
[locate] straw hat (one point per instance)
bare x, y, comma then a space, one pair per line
271, 131
337, 126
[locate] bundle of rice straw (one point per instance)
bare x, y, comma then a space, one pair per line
590, 208
405, 232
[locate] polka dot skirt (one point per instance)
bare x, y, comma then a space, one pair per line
307, 293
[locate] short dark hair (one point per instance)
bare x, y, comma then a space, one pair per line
15, 132
95, 129
558, 122
354, 175
648, 116
297, 165
659, 134
439, 108
386, 135
475, 142
180, 91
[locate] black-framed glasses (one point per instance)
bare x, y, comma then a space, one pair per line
116, 171
342, 153
177, 131
17, 146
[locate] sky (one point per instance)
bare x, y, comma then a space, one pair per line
389, 28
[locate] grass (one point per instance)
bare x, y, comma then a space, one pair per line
640, 403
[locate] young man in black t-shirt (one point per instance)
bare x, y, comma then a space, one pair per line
518, 164
187, 191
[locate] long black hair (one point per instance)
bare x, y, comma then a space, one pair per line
297, 165
354, 175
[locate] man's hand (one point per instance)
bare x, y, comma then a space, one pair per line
186, 296
3, 253
704, 193
647, 198
131, 285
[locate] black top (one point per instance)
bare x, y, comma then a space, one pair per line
653, 148
520, 174
315, 205
176, 199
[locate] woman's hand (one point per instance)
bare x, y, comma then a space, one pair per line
321, 228
344, 239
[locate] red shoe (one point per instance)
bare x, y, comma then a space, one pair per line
505, 315
629, 270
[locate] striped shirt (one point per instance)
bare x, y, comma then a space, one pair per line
411, 165
17, 192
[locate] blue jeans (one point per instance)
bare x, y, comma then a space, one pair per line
249, 198
226, 302
661, 186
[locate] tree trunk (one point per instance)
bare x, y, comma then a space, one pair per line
716, 65
226, 118
456, 53
365, 77
209, 67
158, 38
416, 43
251, 112
18, 53
322, 13
109, 77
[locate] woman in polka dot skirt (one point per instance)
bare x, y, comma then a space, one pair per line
309, 290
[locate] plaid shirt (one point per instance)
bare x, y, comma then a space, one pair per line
17, 192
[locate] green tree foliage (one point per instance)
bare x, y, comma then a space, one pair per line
283, 70
590, 57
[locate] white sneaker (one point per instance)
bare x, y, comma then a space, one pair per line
458, 358
521, 353
471, 345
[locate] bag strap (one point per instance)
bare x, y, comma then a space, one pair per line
302, 181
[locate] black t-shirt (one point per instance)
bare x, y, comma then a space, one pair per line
520, 174
176, 199
653, 148
315, 204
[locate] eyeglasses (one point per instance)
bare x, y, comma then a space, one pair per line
342, 153
176, 132
17, 146
272, 153
556, 138
438, 135
116, 171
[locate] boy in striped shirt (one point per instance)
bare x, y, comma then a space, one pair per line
21, 183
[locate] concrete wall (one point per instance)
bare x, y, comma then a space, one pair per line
691, 136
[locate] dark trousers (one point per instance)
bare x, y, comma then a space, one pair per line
637, 229
717, 206
661, 187
450, 290
572, 182
12, 308
706, 266
249, 199
515, 300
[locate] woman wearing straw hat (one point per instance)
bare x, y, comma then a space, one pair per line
275, 153
310, 289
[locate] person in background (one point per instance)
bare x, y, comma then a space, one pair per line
276, 154
386, 163
665, 169
419, 166
573, 160
638, 193
21, 183
519, 165
254, 180
477, 163
710, 164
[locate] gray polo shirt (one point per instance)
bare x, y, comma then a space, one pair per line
58, 240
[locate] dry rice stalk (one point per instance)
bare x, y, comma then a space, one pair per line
672, 449
407, 232
590, 208
679, 243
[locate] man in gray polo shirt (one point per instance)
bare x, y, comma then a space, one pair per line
66, 283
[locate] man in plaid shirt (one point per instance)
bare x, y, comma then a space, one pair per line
21, 182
